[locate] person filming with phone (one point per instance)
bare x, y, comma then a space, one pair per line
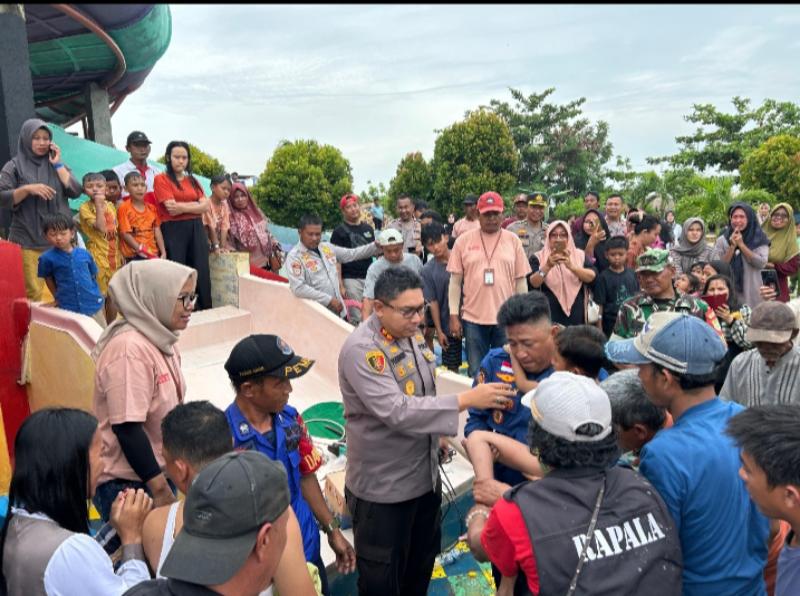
33, 184
562, 272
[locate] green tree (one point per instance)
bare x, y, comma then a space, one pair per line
412, 177
775, 168
756, 196
565, 209
711, 202
304, 177
473, 155
376, 194
203, 164
559, 149
723, 140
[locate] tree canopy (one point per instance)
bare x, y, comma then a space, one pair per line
304, 177
775, 168
473, 155
412, 177
723, 140
559, 149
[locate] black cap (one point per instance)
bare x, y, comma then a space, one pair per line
137, 136
262, 354
471, 200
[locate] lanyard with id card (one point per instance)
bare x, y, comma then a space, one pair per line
488, 273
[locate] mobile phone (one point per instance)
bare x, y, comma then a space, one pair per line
715, 301
561, 245
52, 151
769, 277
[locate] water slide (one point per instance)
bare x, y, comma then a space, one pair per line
72, 45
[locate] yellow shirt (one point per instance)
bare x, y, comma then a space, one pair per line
104, 247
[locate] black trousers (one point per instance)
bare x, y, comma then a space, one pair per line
186, 243
396, 544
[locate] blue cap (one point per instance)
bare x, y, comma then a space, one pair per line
677, 341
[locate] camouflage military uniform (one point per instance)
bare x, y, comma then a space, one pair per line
635, 311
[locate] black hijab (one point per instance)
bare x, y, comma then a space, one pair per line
582, 239
753, 237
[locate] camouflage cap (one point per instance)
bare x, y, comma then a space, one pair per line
653, 259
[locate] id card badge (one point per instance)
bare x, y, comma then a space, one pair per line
488, 277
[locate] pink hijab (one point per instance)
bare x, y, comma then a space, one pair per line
249, 225
564, 284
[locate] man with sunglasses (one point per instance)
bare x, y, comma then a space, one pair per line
393, 421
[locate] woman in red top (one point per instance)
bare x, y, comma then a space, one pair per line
181, 204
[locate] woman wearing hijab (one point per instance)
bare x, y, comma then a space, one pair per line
783, 251
249, 233
138, 377
691, 246
592, 238
33, 184
561, 271
745, 246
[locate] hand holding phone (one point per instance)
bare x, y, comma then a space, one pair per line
769, 277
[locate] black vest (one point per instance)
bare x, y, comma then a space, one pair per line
635, 548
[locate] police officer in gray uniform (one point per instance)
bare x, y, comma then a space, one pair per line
393, 422
311, 265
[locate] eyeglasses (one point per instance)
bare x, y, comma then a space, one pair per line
408, 313
779, 216
188, 300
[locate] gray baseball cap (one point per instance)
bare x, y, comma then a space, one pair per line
771, 322
564, 401
227, 504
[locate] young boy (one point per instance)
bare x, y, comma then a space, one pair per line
435, 284
769, 437
615, 284
113, 188
98, 221
69, 271
139, 222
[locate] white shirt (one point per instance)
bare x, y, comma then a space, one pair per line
81, 567
122, 169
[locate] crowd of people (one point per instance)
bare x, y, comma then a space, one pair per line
631, 423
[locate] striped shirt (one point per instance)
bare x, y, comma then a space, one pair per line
751, 383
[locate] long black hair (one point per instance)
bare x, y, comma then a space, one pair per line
733, 300
171, 172
51, 470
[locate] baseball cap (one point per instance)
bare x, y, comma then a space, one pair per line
564, 402
347, 199
137, 136
470, 200
772, 322
390, 236
490, 201
653, 259
262, 354
678, 341
227, 503
537, 199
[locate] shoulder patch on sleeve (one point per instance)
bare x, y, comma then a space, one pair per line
376, 361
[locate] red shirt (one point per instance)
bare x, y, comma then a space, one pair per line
165, 189
505, 539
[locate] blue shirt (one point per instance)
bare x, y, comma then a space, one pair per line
285, 449
75, 276
496, 368
695, 468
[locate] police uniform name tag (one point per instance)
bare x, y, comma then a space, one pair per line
488, 277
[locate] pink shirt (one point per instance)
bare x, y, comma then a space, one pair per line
134, 382
468, 257
465, 225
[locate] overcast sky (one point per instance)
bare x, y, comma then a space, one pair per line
377, 81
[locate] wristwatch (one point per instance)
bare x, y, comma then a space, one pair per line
334, 525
